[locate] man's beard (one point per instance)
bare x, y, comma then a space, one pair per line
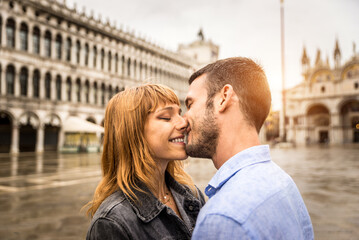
206, 143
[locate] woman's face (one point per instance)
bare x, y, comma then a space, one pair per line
164, 132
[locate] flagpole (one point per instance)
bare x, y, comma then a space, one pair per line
283, 132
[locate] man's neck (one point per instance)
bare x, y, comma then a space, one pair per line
231, 142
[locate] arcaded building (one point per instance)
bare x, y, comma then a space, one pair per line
58, 63
324, 107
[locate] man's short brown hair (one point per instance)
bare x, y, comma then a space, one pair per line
248, 81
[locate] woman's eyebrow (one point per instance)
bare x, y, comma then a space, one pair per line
168, 109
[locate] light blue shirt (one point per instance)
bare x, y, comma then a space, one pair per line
250, 197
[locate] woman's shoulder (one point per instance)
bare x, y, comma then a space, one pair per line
112, 206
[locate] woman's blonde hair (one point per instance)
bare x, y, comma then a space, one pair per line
126, 157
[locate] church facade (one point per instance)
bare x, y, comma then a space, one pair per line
324, 107
58, 62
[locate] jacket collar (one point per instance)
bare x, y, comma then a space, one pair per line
147, 206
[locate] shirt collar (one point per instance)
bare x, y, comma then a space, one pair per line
247, 157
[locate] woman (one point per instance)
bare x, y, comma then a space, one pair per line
144, 192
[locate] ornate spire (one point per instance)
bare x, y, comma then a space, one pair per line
337, 54
305, 63
305, 59
318, 59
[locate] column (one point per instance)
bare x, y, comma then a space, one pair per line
30, 40
42, 85
91, 93
17, 82
3, 31
30, 90
17, 35
3, 80
40, 138
14, 149
63, 89
60, 143
336, 129
53, 87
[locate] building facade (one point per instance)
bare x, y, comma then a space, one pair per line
324, 107
58, 62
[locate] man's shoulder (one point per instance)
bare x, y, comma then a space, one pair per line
247, 190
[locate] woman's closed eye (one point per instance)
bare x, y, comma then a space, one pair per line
165, 118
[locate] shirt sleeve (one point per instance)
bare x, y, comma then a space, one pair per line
106, 229
218, 227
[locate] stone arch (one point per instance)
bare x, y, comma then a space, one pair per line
47, 43
351, 70
24, 75
24, 36
318, 121
52, 124
10, 79
349, 119
6, 123
10, 32
36, 36
29, 122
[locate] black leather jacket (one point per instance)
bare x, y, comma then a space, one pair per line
118, 217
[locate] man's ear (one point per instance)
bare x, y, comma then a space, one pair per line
226, 97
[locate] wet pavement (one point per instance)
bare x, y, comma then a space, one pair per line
41, 195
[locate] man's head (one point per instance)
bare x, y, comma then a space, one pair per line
250, 85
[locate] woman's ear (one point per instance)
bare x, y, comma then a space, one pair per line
226, 97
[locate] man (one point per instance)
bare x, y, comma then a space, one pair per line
250, 197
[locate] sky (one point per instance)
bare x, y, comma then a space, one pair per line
249, 28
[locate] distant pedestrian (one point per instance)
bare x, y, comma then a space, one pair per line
144, 192
250, 197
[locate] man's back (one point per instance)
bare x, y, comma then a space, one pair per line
252, 198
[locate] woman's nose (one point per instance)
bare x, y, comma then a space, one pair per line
182, 123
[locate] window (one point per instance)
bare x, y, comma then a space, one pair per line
116, 63
23, 37
78, 90
58, 46
95, 92
68, 88
94, 56
68, 49
10, 80
87, 89
23, 81
47, 44
0, 29
123, 65
102, 59
86, 54
58, 87
356, 85
48, 86
10, 33
322, 89
110, 92
36, 83
103, 94
36, 40
78, 50
129, 67
109, 61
